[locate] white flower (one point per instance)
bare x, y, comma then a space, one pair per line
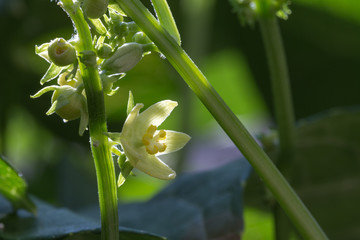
142, 142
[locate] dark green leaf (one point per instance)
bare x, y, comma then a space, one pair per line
327, 171
58, 223
199, 206
14, 187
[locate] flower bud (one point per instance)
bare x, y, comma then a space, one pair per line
121, 29
104, 51
124, 58
95, 8
71, 102
140, 37
61, 53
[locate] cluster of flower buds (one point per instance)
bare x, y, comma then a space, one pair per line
249, 10
117, 49
118, 46
68, 99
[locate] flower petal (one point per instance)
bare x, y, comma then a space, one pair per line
132, 153
174, 141
156, 168
130, 120
154, 115
147, 163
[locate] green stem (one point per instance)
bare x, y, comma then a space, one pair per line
284, 113
97, 127
262, 164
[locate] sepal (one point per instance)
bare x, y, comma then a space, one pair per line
42, 51
125, 171
130, 104
98, 25
45, 90
108, 82
114, 136
52, 72
60, 102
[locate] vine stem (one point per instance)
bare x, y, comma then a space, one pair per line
261, 163
282, 100
104, 166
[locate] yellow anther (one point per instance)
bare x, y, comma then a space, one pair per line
152, 143
151, 130
162, 147
162, 135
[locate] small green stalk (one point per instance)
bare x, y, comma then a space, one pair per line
262, 164
97, 127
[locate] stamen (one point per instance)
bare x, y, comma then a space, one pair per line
154, 144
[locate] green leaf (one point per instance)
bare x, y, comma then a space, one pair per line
58, 223
52, 72
199, 206
14, 187
327, 168
166, 18
326, 171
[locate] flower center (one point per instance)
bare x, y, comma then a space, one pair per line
154, 143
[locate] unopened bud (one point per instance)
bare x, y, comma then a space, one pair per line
140, 37
124, 58
70, 103
121, 29
95, 8
61, 53
104, 51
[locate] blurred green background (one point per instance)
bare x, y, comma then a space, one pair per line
322, 42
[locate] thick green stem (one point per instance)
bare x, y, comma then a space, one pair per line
284, 113
262, 164
97, 127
